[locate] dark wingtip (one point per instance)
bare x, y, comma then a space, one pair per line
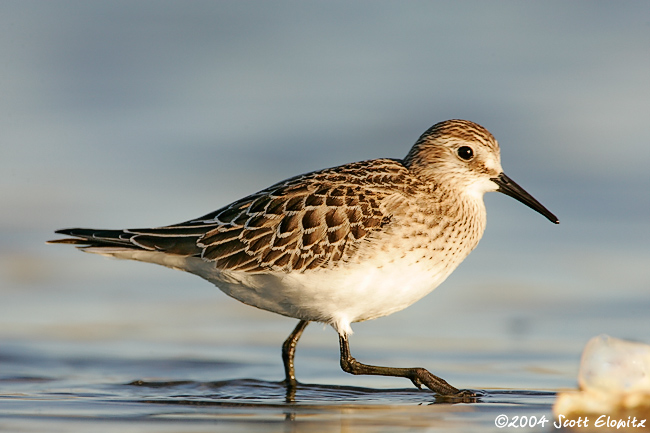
69, 232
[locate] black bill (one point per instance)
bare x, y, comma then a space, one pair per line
509, 187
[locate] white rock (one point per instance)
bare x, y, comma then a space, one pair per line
615, 366
614, 378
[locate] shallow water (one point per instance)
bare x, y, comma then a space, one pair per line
60, 393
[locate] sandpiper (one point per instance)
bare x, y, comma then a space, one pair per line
339, 245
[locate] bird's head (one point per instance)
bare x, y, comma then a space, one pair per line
465, 157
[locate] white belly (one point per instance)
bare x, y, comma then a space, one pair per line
338, 296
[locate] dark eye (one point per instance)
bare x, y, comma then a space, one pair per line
465, 152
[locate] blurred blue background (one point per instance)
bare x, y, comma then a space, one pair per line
134, 114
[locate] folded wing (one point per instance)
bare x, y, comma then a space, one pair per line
303, 223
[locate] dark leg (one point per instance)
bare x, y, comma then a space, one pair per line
289, 350
419, 376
